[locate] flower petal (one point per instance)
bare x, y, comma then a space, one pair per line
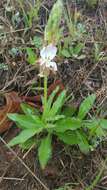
51, 51
52, 65
43, 53
48, 52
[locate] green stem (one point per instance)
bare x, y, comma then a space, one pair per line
45, 90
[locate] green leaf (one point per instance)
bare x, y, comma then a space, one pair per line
26, 121
56, 118
65, 53
68, 137
50, 128
103, 123
84, 147
67, 124
86, 105
83, 144
91, 124
23, 136
31, 56
100, 132
78, 48
95, 128
27, 109
51, 98
69, 111
71, 50
57, 105
49, 103
37, 42
45, 151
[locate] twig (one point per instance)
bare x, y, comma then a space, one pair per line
28, 151
12, 178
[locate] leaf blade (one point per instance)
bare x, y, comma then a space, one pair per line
86, 105
26, 121
68, 137
58, 104
68, 124
22, 137
45, 151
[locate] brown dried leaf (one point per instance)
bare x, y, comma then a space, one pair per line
12, 105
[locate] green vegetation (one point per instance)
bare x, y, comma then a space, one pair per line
68, 38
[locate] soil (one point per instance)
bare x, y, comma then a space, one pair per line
21, 170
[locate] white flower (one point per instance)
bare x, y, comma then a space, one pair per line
47, 54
